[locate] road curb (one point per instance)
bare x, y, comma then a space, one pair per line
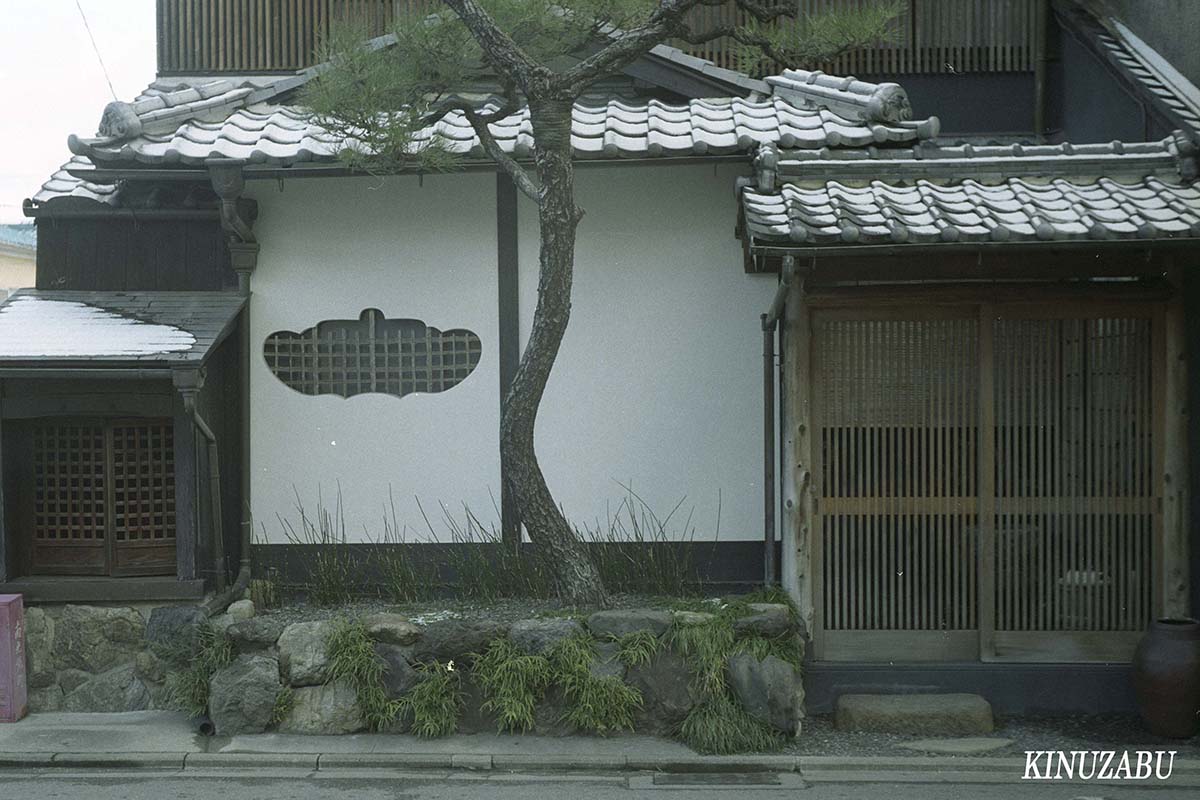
816, 768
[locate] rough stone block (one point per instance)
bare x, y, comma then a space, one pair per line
303, 658
399, 677
118, 689
764, 619
174, 628
95, 638
259, 633
770, 690
622, 622
242, 696
392, 628
456, 639
328, 709
923, 714
537, 636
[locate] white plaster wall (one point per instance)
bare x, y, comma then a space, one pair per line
659, 382
331, 248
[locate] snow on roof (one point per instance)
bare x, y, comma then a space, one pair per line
145, 327
32, 327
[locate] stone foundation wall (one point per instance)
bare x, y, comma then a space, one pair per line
106, 659
92, 658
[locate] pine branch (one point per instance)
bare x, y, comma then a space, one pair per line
498, 47
480, 120
627, 46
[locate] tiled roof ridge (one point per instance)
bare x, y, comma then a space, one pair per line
1177, 156
844, 95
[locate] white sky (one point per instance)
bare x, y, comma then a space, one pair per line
51, 84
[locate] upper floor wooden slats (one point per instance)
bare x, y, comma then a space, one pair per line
246, 36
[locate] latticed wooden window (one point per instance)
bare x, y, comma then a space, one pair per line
102, 497
372, 354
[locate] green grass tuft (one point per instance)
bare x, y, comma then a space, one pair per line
597, 705
719, 726
435, 704
352, 658
284, 700
188, 685
512, 682
638, 648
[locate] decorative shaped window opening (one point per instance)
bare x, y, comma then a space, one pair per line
372, 355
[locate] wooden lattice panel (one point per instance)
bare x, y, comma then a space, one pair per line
102, 497
143, 497
898, 418
69, 518
1075, 502
987, 482
372, 354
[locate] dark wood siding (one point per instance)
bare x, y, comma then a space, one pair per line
109, 254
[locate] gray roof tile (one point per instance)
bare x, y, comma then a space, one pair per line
964, 194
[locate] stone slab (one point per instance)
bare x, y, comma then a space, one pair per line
921, 714
130, 732
963, 746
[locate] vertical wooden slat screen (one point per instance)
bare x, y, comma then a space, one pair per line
203, 36
1075, 506
898, 436
987, 482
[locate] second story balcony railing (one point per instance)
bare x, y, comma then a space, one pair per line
247, 36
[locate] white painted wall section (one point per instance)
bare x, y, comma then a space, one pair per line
659, 382
330, 249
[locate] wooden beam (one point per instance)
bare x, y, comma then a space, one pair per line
187, 523
1124, 292
58, 589
799, 505
1175, 598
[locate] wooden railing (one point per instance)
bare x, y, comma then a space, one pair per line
244, 36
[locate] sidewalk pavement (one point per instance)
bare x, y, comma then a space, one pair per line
166, 741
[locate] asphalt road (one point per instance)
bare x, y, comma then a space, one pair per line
111, 785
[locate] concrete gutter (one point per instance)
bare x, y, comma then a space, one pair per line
806, 769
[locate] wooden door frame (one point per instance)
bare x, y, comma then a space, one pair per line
1160, 303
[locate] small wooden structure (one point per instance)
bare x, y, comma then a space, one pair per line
984, 394
106, 400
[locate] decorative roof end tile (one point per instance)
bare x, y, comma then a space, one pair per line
849, 97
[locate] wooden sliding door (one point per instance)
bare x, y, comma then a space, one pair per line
984, 482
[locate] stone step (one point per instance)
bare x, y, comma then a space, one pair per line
923, 714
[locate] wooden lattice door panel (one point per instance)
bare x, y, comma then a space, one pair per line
143, 498
70, 531
1075, 497
101, 497
896, 407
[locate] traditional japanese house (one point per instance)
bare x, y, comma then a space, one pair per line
973, 459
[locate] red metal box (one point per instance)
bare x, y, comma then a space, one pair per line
12, 658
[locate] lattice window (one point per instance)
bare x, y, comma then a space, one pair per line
68, 468
372, 354
143, 482
102, 497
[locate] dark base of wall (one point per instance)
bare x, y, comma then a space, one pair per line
720, 567
1010, 688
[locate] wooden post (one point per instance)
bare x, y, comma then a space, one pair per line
798, 497
1175, 595
186, 466
986, 519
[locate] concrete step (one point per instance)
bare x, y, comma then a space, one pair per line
919, 714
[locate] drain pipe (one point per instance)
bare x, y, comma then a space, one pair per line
1039, 70
770, 323
214, 490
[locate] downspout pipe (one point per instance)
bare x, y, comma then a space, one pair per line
770, 324
1039, 69
214, 493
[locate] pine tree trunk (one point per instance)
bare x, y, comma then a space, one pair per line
558, 217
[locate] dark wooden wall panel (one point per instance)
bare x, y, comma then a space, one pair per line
128, 255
